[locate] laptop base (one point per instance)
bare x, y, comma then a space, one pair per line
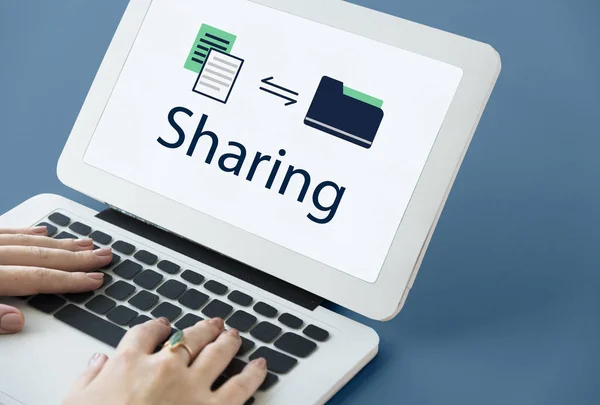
48, 355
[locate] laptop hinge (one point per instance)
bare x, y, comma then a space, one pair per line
211, 258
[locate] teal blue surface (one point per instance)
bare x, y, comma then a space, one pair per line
506, 309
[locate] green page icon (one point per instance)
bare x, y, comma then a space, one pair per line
208, 38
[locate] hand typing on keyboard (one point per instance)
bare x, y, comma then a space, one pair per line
134, 285
31, 263
138, 375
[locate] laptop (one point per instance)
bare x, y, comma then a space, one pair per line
256, 159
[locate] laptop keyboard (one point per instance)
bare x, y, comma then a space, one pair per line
140, 285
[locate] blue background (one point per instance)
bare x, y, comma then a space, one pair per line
506, 309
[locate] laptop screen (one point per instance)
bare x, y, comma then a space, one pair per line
307, 136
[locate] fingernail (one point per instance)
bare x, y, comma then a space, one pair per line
216, 321
234, 333
39, 229
94, 358
262, 363
103, 252
163, 320
83, 242
96, 276
11, 323
97, 359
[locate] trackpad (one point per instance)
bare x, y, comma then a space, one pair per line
8, 400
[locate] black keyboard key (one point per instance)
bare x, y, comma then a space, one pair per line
123, 247
266, 332
240, 298
80, 228
242, 321
122, 315
101, 237
139, 320
276, 362
146, 257
290, 320
169, 267
246, 346
128, 269
218, 382
120, 290
107, 280
192, 277
90, 324
100, 304
79, 298
296, 345
235, 367
215, 287
217, 309
115, 259
59, 219
169, 311
65, 235
187, 321
144, 300
49, 227
265, 309
316, 333
270, 381
171, 289
193, 299
47, 303
148, 279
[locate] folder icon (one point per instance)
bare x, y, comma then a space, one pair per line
344, 112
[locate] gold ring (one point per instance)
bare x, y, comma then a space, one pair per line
177, 340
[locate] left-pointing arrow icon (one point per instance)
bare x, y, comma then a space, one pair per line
279, 91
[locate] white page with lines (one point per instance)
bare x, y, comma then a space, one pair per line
218, 75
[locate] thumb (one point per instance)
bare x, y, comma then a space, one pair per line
94, 367
11, 320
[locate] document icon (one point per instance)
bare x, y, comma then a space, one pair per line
208, 38
346, 113
218, 75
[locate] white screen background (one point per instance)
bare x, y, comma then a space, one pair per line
417, 92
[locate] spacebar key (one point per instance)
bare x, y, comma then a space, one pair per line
90, 324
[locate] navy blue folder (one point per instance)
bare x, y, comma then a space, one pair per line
344, 116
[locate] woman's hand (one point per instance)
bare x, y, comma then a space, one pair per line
136, 376
32, 263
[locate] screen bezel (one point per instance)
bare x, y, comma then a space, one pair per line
379, 300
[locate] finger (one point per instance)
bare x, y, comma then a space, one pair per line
54, 258
94, 367
215, 357
196, 338
20, 281
240, 388
73, 245
11, 320
37, 230
145, 337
